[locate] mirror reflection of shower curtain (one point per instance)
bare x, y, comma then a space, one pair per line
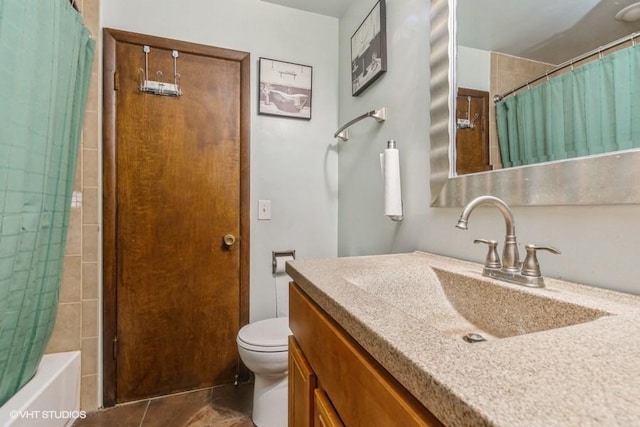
585, 111
44, 76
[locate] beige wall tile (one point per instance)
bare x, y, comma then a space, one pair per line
89, 280
71, 289
96, 59
89, 360
77, 183
91, 13
90, 243
74, 234
506, 63
90, 318
66, 332
89, 392
92, 98
90, 170
90, 205
90, 130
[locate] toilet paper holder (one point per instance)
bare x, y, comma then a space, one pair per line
277, 254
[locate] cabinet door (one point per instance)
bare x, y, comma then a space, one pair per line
359, 388
302, 382
324, 413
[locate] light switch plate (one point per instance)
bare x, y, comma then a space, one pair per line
264, 209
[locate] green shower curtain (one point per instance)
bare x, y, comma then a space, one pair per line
45, 67
592, 109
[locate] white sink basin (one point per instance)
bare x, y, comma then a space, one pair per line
506, 311
458, 304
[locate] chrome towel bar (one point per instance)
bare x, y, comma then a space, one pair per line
380, 115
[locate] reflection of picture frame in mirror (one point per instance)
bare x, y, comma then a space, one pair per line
285, 89
369, 49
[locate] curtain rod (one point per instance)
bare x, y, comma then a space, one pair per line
631, 37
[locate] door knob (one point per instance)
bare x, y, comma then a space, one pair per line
229, 240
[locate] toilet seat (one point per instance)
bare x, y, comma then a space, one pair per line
266, 336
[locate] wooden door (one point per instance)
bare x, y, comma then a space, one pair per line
472, 136
176, 183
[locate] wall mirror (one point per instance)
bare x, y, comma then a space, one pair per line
611, 178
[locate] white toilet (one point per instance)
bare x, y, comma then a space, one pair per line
263, 349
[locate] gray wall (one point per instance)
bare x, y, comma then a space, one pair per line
599, 244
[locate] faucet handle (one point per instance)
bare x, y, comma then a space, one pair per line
492, 260
530, 266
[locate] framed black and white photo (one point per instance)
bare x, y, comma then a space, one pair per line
369, 50
285, 89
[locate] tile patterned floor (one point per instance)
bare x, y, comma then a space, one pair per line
225, 406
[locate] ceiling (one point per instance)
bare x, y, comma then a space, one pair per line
552, 31
333, 8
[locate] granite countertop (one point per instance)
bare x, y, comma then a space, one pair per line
585, 374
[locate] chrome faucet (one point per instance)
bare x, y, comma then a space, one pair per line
510, 259
510, 270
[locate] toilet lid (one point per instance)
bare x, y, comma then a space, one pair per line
265, 335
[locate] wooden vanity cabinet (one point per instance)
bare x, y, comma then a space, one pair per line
302, 384
349, 387
324, 415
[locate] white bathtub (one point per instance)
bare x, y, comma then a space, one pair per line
51, 398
